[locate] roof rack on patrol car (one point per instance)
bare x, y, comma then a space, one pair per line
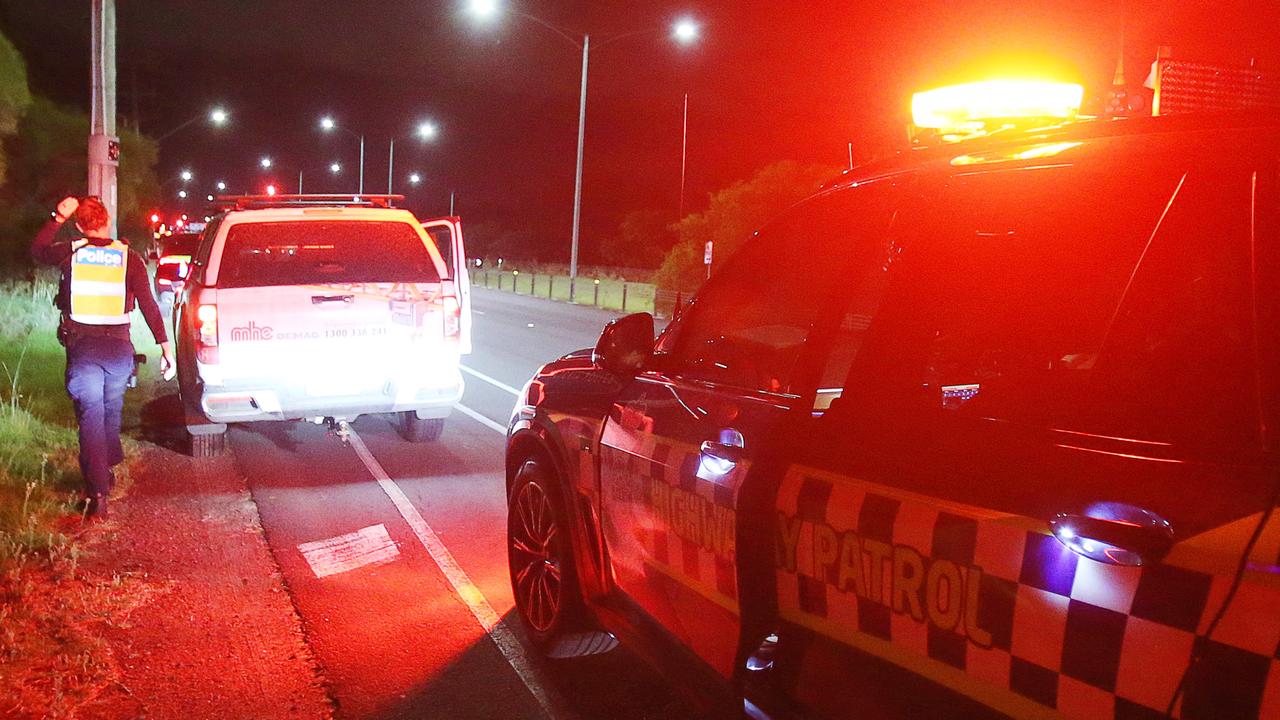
247, 202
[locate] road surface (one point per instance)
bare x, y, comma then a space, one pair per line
394, 553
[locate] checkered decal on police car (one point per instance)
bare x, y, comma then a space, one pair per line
1086, 639
691, 535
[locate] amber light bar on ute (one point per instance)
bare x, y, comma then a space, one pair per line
247, 202
959, 111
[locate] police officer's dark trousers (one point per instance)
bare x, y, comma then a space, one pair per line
99, 364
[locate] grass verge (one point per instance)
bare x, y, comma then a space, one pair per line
53, 661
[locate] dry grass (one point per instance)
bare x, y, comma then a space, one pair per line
53, 661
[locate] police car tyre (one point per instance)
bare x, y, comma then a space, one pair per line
416, 429
543, 580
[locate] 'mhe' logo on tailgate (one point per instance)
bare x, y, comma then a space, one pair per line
251, 332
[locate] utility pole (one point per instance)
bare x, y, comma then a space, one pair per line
104, 146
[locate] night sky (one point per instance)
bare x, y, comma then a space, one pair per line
768, 81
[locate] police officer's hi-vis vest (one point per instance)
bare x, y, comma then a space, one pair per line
98, 284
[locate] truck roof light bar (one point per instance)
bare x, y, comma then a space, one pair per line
246, 202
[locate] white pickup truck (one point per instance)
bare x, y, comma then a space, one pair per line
319, 308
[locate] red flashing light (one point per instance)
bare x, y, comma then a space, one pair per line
207, 338
271, 189
155, 218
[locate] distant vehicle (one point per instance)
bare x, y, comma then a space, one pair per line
320, 308
173, 263
987, 429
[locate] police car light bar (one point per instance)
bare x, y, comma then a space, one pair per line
972, 106
241, 202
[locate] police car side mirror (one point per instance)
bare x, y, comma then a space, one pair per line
625, 345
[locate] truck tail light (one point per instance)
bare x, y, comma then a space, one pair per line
452, 317
207, 333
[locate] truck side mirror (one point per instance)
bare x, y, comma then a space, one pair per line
625, 345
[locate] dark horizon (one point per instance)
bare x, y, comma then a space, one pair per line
767, 82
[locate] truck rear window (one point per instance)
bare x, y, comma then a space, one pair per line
321, 252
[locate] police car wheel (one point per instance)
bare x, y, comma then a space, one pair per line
416, 429
543, 580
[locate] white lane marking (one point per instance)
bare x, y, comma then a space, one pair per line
478, 312
476, 602
496, 426
496, 383
366, 546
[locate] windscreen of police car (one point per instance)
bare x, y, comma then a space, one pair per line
324, 252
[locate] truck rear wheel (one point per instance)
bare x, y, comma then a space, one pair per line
416, 429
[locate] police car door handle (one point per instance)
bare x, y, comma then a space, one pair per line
723, 451
1131, 537
321, 299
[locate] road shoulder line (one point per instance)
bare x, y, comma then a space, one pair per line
502, 636
491, 424
492, 381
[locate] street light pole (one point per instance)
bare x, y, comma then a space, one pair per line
104, 146
577, 181
391, 163
684, 153
361, 192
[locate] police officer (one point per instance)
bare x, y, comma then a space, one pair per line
102, 281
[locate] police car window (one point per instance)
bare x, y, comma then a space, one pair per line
310, 252
749, 324
1010, 281
1177, 366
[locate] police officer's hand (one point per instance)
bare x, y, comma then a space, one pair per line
167, 368
66, 206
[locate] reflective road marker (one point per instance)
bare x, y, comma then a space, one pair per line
488, 618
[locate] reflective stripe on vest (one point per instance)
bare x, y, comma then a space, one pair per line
98, 285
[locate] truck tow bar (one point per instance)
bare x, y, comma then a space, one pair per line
338, 428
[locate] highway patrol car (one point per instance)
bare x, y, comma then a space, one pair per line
322, 308
986, 429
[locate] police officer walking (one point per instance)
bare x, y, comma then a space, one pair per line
102, 281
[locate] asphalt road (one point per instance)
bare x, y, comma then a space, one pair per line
428, 628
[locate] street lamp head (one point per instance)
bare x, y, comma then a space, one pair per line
685, 31
221, 186
483, 9
218, 116
182, 194
335, 168
186, 175
427, 130
265, 163
414, 178
327, 123
209, 198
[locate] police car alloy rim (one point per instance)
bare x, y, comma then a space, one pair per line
535, 561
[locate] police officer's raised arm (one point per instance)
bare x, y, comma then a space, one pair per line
56, 239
